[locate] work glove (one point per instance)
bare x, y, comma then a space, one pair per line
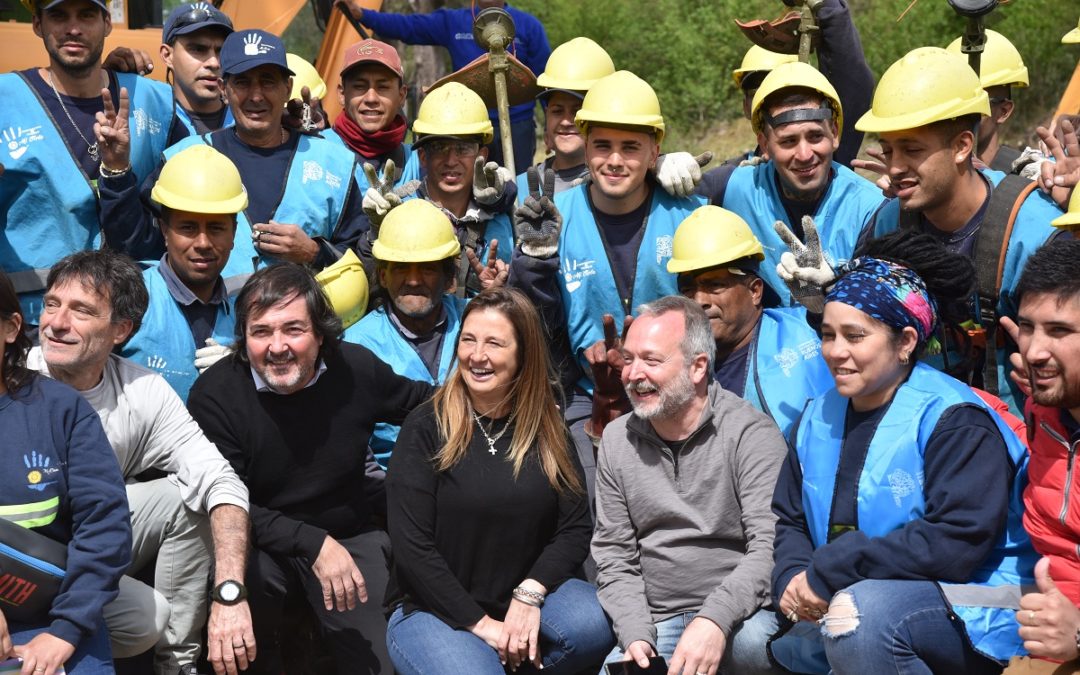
609, 396
680, 172
805, 270
210, 354
489, 182
538, 221
753, 161
382, 196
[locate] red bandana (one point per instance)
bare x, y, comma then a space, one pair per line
374, 144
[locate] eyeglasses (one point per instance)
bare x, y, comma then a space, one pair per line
459, 148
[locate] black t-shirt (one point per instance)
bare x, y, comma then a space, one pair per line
263, 171
83, 112
622, 235
731, 372
207, 122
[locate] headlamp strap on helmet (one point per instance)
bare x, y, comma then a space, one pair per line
823, 113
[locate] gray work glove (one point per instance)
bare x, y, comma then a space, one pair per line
805, 270
680, 172
489, 182
210, 354
382, 196
538, 221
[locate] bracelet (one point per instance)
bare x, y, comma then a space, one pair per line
528, 597
106, 172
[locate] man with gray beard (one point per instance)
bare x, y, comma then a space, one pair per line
684, 530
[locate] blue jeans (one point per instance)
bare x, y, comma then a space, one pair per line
745, 652
901, 627
574, 634
92, 656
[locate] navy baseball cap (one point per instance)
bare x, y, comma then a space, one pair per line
247, 49
45, 4
193, 16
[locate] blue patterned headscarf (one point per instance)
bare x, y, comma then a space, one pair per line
891, 293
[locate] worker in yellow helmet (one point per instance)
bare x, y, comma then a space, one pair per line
599, 247
572, 68
1001, 70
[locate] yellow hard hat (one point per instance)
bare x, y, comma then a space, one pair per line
1073, 36
454, 110
416, 231
1071, 218
1000, 64
575, 66
926, 85
305, 76
712, 236
621, 98
200, 179
346, 286
758, 59
795, 74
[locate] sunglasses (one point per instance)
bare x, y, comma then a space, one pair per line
459, 148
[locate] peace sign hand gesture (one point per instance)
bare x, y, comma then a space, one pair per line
538, 221
112, 132
381, 195
494, 272
805, 270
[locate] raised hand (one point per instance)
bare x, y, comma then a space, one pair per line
606, 363
1048, 619
877, 164
1060, 176
128, 60
112, 132
680, 172
489, 182
380, 196
305, 113
539, 223
804, 269
494, 272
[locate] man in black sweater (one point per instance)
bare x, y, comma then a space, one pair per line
293, 410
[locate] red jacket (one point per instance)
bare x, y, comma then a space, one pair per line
1052, 496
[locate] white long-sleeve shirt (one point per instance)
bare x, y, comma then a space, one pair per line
150, 428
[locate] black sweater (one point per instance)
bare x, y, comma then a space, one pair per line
464, 538
302, 455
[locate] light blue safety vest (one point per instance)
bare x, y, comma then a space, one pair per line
411, 170
315, 193
785, 368
379, 334
587, 281
847, 205
1031, 230
164, 342
182, 120
890, 493
48, 205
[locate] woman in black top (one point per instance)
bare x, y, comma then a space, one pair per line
489, 520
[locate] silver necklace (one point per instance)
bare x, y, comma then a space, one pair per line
92, 148
490, 439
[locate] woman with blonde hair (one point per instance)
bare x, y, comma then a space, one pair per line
489, 520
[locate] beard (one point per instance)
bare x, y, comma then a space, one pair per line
76, 67
671, 398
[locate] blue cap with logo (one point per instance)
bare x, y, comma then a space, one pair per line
193, 16
247, 49
47, 4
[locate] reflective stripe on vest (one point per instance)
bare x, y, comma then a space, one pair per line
847, 205
34, 514
586, 280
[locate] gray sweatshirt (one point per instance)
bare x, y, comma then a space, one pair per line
690, 530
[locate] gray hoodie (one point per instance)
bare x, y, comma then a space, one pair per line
689, 530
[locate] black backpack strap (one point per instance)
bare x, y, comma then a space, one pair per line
990, 249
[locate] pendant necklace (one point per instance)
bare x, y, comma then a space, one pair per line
91, 148
490, 439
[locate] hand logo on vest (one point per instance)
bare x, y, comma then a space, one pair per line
39, 469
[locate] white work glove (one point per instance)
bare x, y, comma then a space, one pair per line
805, 270
753, 161
489, 182
382, 196
210, 354
680, 172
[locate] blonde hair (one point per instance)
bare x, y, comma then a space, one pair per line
536, 417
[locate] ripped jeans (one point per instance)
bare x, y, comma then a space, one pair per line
884, 626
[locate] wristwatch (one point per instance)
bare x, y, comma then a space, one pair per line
229, 592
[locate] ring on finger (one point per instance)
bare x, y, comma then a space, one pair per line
793, 616
1031, 615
